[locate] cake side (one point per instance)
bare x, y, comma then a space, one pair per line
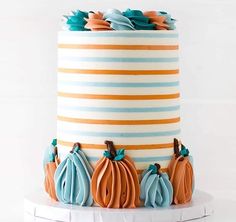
121, 86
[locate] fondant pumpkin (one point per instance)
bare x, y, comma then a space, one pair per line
156, 189
115, 181
73, 177
181, 174
51, 162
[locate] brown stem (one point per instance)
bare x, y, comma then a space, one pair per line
55, 151
111, 148
176, 147
158, 166
75, 146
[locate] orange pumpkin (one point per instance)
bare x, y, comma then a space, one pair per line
181, 175
115, 181
50, 169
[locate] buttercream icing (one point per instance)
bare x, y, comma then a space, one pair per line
76, 21
139, 20
95, 22
117, 20
168, 20
158, 20
73, 177
181, 175
51, 162
156, 189
115, 180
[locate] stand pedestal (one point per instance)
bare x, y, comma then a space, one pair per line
39, 208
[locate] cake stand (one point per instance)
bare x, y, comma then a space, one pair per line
39, 208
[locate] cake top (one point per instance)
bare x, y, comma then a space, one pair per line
113, 19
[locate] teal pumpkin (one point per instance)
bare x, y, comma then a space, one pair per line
156, 189
73, 177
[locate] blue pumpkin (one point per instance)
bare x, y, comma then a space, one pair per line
156, 189
73, 177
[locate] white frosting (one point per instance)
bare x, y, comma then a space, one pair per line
77, 59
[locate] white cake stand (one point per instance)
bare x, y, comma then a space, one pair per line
39, 208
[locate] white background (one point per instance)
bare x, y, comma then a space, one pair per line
28, 35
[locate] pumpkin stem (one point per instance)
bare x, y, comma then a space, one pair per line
75, 148
55, 151
111, 148
176, 147
158, 166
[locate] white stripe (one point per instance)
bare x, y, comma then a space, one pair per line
117, 128
117, 53
133, 153
117, 78
120, 140
63, 101
118, 65
117, 90
117, 115
78, 39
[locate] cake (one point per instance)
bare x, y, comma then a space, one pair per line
118, 81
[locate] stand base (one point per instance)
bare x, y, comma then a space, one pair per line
39, 208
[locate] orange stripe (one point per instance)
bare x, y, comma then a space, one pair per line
119, 122
118, 72
119, 97
127, 147
119, 47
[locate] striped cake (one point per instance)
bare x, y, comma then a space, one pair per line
121, 86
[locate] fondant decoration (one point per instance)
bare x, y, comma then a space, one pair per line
168, 20
95, 22
51, 162
118, 20
76, 21
156, 189
181, 174
138, 19
115, 180
158, 20
73, 177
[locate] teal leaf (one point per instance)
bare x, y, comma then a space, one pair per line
107, 154
184, 151
152, 168
54, 142
119, 157
120, 152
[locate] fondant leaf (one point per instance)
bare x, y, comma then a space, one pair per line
107, 154
54, 142
119, 157
120, 152
184, 151
153, 168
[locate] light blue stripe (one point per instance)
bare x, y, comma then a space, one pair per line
119, 84
126, 34
120, 110
120, 135
117, 59
139, 159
